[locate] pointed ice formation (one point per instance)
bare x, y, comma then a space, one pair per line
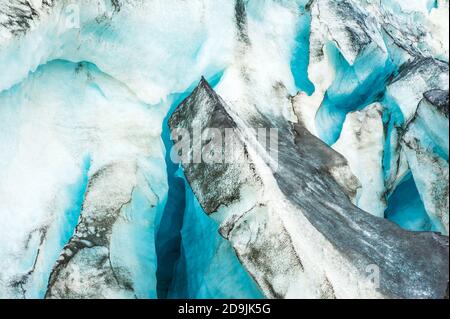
294, 228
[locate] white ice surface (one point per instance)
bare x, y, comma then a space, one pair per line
362, 144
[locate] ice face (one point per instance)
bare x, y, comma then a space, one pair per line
93, 207
426, 150
63, 130
98, 33
372, 57
208, 266
293, 226
362, 143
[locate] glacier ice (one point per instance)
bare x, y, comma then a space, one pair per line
93, 207
356, 46
298, 220
363, 52
194, 260
362, 143
426, 147
68, 131
208, 267
407, 209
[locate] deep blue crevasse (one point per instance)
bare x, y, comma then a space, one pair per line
406, 209
355, 87
300, 57
174, 262
61, 234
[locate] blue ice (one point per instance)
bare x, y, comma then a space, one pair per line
208, 267
406, 209
300, 58
60, 234
194, 261
354, 87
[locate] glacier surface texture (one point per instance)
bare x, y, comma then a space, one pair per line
346, 195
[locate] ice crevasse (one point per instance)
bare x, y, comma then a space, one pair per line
93, 207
